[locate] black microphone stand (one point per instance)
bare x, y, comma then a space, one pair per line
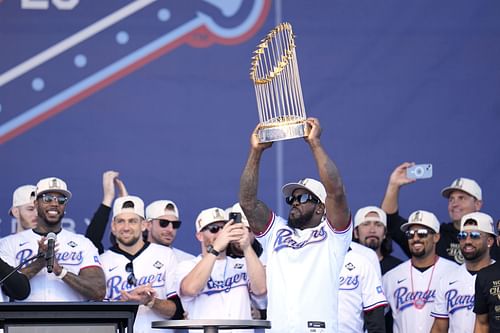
39, 255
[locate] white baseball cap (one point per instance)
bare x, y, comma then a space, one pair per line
466, 185
52, 184
128, 204
484, 222
309, 184
23, 195
361, 216
236, 208
209, 216
422, 217
161, 207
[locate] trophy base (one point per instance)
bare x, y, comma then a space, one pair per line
282, 132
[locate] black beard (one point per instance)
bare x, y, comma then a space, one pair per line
300, 221
418, 254
474, 256
373, 244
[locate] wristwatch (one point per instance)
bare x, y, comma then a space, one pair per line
210, 249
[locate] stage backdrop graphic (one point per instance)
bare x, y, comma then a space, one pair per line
160, 91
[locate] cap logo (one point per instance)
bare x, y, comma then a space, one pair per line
459, 183
54, 183
417, 217
216, 214
303, 181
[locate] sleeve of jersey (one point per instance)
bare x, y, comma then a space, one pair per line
6, 252
170, 285
342, 238
272, 222
90, 255
372, 291
183, 268
386, 280
480, 297
439, 310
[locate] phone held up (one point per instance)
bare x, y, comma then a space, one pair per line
419, 171
235, 216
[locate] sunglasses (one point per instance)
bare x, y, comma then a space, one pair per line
131, 280
301, 198
213, 228
166, 223
421, 233
462, 235
47, 198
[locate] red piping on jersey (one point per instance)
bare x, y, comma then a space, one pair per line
90, 267
376, 305
341, 231
269, 223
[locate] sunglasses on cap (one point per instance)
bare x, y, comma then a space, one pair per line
462, 235
131, 280
301, 198
47, 198
165, 223
213, 228
421, 233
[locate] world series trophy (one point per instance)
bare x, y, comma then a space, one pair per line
275, 74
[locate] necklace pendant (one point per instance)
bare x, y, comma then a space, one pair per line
419, 303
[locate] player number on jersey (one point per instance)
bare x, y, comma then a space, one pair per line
44, 4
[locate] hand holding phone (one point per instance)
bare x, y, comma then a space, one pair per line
419, 171
235, 216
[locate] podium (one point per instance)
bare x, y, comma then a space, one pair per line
59, 317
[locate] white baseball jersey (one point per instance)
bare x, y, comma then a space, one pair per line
455, 300
74, 252
182, 255
360, 290
226, 295
303, 268
369, 254
412, 303
154, 264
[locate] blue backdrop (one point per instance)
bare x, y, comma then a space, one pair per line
160, 91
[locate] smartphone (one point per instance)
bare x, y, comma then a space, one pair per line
419, 171
236, 217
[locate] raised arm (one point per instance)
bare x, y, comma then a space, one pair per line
255, 269
194, 282
97, 227
255, 210
337, 209
398, 178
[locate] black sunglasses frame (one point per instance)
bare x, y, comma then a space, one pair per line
462, 235
165, 223
131, 279
301, 198
213, 228
48, 198
421, 233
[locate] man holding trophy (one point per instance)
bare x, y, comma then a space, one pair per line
304, 253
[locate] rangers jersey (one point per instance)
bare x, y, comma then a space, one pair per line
226, 295
303, 268
74, 252
412, 293
153, 264
455, 300
360, 290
